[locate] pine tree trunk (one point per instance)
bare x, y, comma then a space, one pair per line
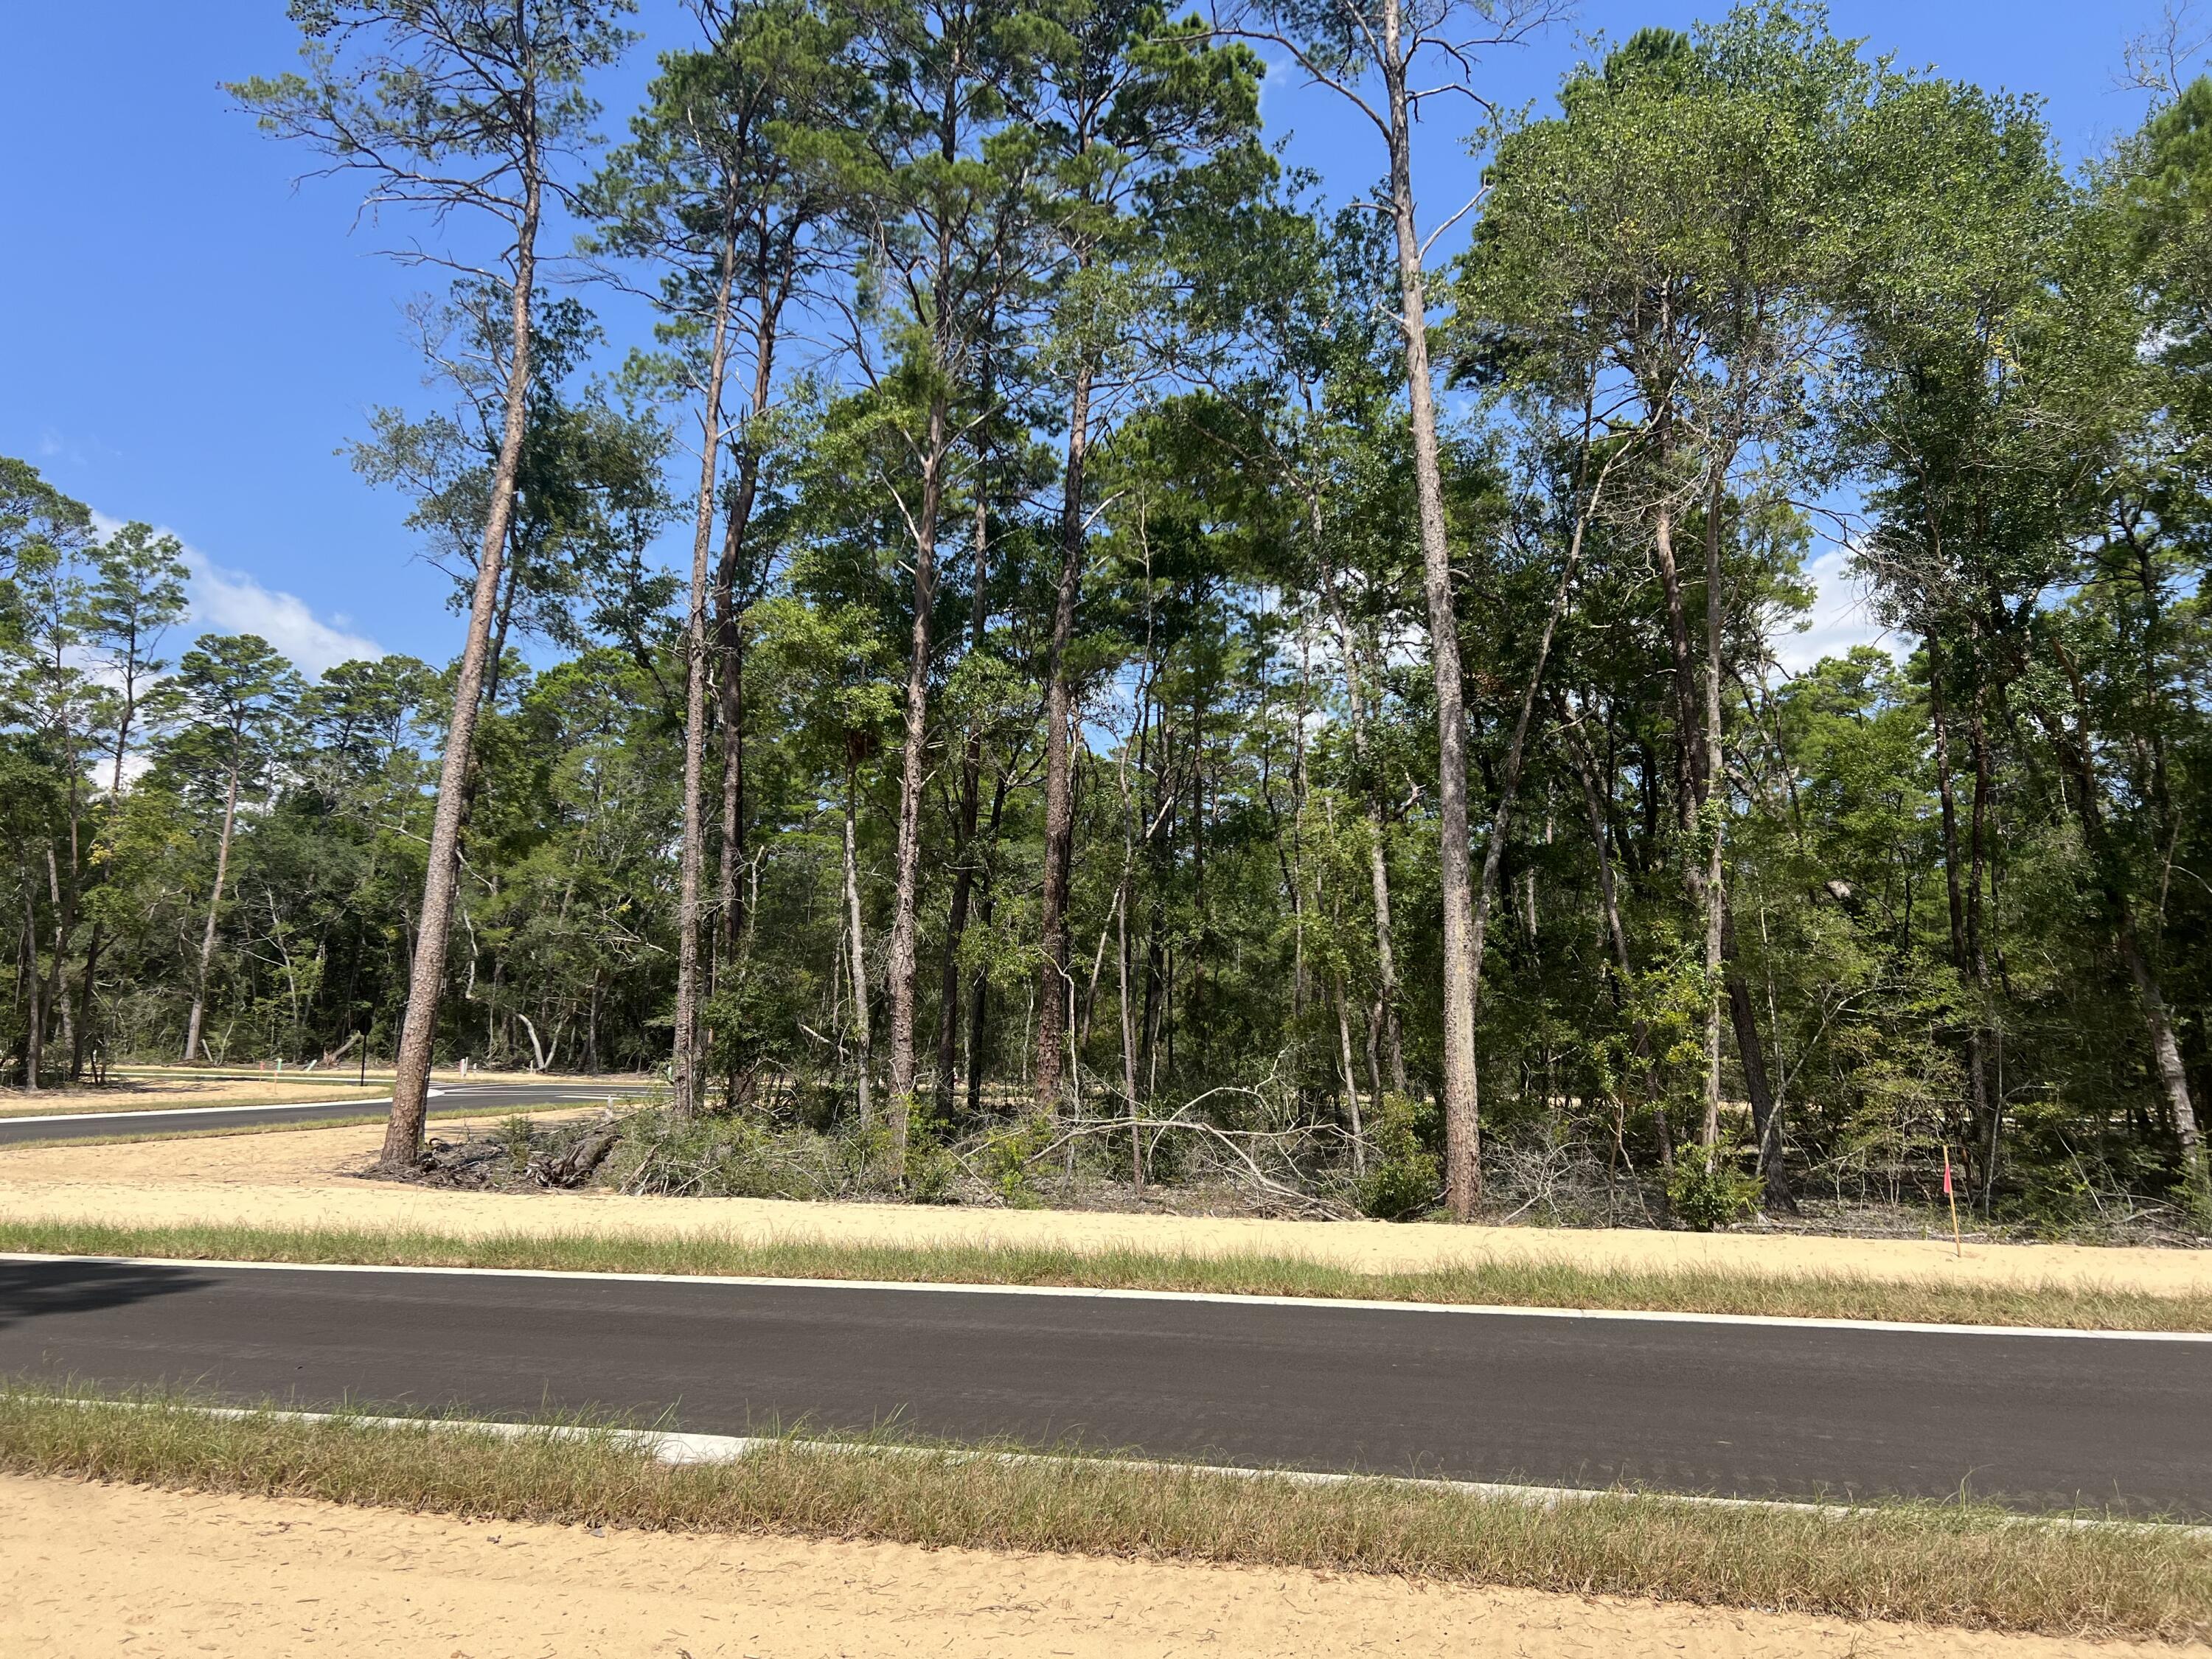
1378, 867
1463, 1127
859, 966
980, 989
411, 1089
730, 608
27, 989
1059, 766
963, 853
687, 1073
215, 909
1129, 1037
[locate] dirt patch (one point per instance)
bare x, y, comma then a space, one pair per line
311, 1177
262, 1577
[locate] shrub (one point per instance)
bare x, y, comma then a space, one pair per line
1406, 1177
1007, 1154
1703, 1199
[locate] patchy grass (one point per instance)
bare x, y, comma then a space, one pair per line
1946, 1564
94, 1103
1504, 1283
125, 1138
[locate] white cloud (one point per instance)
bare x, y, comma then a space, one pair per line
226, 601
1842, 616
233, 602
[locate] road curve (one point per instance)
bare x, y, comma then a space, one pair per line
184, 1120
1773, 1410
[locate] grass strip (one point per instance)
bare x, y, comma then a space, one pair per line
1940, 1564
1531, 1283
77, 1106
124, 1138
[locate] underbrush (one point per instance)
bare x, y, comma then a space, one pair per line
1943, 1564
1536, 1172
1020, 1161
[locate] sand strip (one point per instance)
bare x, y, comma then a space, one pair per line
90, 1571
309, 1177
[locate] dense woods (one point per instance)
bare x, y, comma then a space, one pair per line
1112, 676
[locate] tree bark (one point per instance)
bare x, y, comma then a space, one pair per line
411, 1089
860, 961
730, 606
1462, 1126
1059, 768
2166, 1052
1955, 894
980, 989
1711, 799
1129, 1037
963, 855
1766, 1124
899, 956
686, 1078
215, 909
1389, 1037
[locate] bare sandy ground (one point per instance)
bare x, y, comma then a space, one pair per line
308, 1178
156, 1094
92, 1570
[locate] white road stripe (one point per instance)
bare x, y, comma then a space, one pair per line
1229, 1299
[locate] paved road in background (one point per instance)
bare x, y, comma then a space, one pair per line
489, 1097
1748, 1410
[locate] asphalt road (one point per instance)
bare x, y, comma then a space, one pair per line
86, 1125
1747, 1410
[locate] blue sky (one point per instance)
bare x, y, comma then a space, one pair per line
189, 339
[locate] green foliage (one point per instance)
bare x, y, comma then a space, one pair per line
514, 1135
1008, 1159
1701, 1198
1406, 1179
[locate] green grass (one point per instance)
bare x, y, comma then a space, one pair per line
1949, 1563
1514, 1283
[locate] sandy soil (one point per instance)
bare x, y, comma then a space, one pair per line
306, 1177
154, 1094
268, 1578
